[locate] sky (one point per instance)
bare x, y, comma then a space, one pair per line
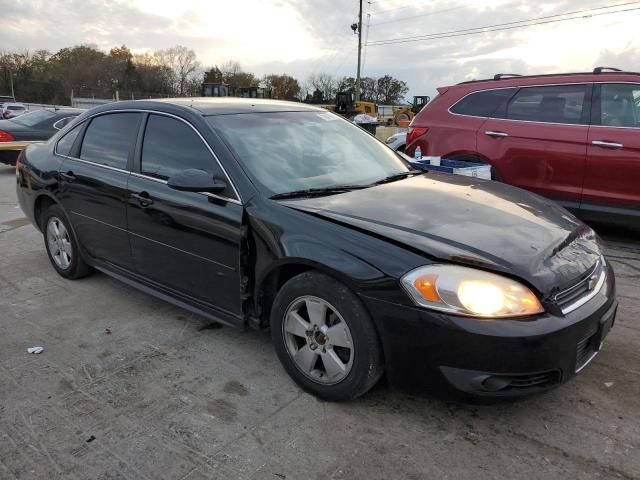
301, 37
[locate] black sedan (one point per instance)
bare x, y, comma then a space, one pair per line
33, 126
284, 216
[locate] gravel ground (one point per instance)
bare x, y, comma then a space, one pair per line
131, 387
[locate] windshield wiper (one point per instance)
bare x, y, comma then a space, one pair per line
311, 192
398, 176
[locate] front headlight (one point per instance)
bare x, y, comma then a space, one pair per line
471, 292
391, 139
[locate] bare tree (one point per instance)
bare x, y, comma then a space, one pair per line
182, 62
323, 83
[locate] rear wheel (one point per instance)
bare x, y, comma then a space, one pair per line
325, 338
62, 247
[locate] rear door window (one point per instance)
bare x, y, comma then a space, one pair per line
619, 105
552, 104
65, 144
109, 139
487, 103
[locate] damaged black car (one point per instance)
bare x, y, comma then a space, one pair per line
284, 216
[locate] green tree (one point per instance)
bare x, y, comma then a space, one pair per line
390, 91
283, 87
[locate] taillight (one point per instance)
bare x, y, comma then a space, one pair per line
415, 132
6, 136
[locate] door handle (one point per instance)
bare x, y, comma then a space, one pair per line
143, 199
496, 134
69, 176
602, 143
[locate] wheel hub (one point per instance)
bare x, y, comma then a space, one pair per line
318, 340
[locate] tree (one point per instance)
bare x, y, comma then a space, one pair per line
232, 74
325, 84
390, 91
182, 61
368, 90
283, 87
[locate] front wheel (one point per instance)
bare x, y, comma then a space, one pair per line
325, 338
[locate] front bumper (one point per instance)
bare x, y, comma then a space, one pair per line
425, 349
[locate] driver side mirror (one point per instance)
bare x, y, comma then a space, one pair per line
195, 180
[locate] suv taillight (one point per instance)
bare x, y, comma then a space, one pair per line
6, 136
415, 132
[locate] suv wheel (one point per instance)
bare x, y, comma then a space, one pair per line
325, 338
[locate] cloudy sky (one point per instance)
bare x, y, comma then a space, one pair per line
300, 37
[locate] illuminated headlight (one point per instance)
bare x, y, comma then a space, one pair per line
470, 292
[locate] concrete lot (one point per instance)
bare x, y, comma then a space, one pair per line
163, 396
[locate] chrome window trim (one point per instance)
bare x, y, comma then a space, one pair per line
533, 121
60, 128
208, 194
88, 162
519, 87
237, 200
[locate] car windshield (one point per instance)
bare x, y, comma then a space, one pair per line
292, 151
33, 118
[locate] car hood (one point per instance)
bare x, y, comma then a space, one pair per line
470, 221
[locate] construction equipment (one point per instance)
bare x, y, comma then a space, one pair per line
407, 113
347, 106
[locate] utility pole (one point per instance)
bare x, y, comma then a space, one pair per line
359, 52
14, 95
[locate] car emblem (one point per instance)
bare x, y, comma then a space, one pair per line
591, 284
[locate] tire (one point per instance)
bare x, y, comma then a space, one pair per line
61, 244
338, 371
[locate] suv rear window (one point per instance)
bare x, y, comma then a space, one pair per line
552, 104
486, 103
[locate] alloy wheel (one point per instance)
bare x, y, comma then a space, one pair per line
318, 340
59, 243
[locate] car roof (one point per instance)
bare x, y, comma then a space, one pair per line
13, 104
502, 81
216, 106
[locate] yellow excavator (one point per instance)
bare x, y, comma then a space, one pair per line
347, 106
406, 113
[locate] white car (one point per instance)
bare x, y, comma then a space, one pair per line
397, 142
11, 110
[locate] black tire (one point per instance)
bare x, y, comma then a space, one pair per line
367, 362
76, 267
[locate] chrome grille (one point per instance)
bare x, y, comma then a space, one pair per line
584, 289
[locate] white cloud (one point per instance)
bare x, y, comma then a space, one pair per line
303, 36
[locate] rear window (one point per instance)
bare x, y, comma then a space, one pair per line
15, 107
33, 118
552, 104
109, 139
487, 103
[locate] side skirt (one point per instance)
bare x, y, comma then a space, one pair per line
208, 313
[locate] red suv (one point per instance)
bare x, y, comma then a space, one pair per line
572, 137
